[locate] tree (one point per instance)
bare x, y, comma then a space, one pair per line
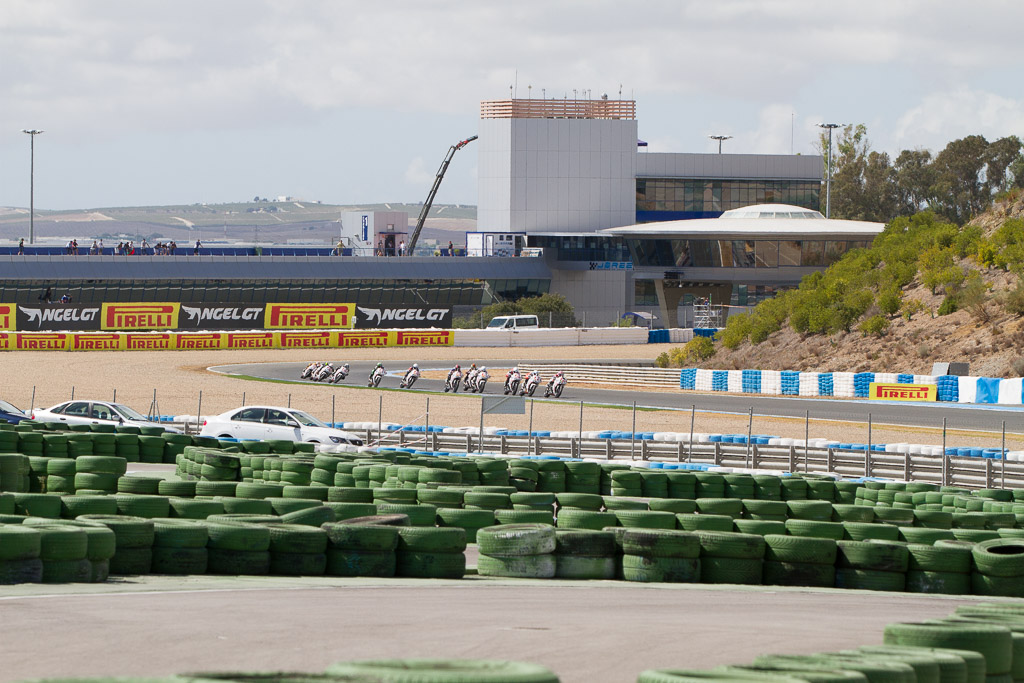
914, 177
969, 171
863, 181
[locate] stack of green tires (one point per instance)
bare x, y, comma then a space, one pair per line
238, 548
661, 556
994, 643
419, 514
361, 549
103, 442
127, 444
151, 449
654, 484
174, 445
709, 485
872, 565
523, 551
470, 520
20, 548
767, 487
14, 472
101, 544
739, 486
439, 498
64, 551
793, 488
60, 475
607, 468
134, 536
999, 567
440, 671
944, 567
628, 483
527, 500
30, 443
179, 547
731, 557
431, 552
583, 477
37, 505
475, 500
492, 472
99, 473
297, 550
585, 554
682, 485
524, 474
74, 506
799, 561
552, 477
8, 439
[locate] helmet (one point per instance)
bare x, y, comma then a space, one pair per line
380, 365
345, 365
457, 367
415, 366
483, 368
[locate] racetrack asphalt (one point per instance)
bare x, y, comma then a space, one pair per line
587, 632
958, 416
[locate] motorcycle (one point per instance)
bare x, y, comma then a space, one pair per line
310, 369
410, 378
339, 374
325, 372
555, 386
453, 381
481, 382
469, 381
375, 377
512, 380
530, 385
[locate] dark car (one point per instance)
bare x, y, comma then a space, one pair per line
11, 413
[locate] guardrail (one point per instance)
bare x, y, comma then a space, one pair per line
944, 471
607, 374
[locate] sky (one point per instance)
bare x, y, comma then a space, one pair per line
160, 102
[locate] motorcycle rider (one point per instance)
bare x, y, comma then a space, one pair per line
556, 379
454, 377
413, 372
470, 380
340, 374
310, 369
379, 366
512, 377
481, 379
325, 371
532, 377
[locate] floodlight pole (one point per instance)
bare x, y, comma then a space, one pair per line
828, 178
720, 138
32, 133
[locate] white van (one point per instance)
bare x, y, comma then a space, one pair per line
513, 322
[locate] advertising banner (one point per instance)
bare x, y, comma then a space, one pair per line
220, 317
6, 341
885, 391
198, 341
309, 316
8, 317
250, 340
111, 341
41, 341
141, 316
142, 341
361, 339
306, 340
57, 317
394, 317
424, 338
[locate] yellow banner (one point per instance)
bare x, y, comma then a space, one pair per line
141, 341
884, 391
377, 338
424, 338
306, 340
97, 342
251, 340
41, 341
6, 341
199, 341
8, 316
309, 316
148, 316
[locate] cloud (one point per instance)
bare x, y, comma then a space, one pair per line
416, 173
943, 116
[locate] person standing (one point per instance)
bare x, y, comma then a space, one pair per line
401, 248
21, 247
451, 248
195, 252
100, 252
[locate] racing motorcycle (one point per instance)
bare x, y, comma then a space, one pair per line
411, 375
453, 380
469, 381
555, 386
376, 376
339, 374
530, 384
481, 381
310, 369
512, 380
325, 372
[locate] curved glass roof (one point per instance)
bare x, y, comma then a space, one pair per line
771, 211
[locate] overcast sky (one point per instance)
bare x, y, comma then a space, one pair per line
159, 102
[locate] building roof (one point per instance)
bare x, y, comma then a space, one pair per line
760, 220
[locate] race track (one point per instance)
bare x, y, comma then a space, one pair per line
958, 416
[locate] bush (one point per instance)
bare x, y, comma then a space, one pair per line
889, 301
949, 305
737, 330
1014, 301
662, 361
695, 350
876, 325
909, 307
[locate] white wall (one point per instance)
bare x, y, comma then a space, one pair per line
377, 221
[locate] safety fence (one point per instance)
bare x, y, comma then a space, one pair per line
607, 374
950, 388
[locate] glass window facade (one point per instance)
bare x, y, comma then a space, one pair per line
738, 253
582, 247
707, 198
365, 292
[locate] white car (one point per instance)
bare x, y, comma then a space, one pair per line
270, 422
97, 412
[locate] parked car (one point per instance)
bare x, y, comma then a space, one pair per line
11, 413
271, 422
96, 412
513, 322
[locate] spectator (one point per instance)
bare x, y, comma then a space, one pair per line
380, 247
118, 248
401, 248
451, 248
95, 249
47, 296
172, 247
101, 247
195, 252
21, 247
69, 247
338, 251
66, 299
75, 246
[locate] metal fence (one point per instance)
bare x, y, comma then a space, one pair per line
608, 374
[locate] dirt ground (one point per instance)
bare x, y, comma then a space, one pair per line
178, 377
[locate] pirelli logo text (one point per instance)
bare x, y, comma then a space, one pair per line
351, 339
155, 316
250, 340
306, 340
57, 341
8, 316
443, 338
149, 342
97, 342
6, 341
309, 316
199, 342
884, 391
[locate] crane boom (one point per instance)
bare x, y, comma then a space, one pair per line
433, 192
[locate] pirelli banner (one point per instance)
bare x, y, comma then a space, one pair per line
167, 316
213, 341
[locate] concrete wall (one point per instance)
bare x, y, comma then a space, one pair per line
556, 174
604, 295
741, 166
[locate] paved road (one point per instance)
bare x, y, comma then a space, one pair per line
980, 417
587, 632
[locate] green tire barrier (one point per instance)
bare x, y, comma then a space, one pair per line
816, 529
801, 550
524, 517
313, 516
759, 527
722, 523
187, 508
370, 563
238, 562
469, 520
875, 556
444, 671
938, 558
179, 561
570, 518
76, 505
951, 667
994, 643
362, 538
430, 565
661, 569
661, 543
516, 540
519, 566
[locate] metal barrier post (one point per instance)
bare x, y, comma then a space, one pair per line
750, 432
632, 436
988, 473
333, 396
72, 393
289, 400
807, 435
199, 410
115, 396
243, 396
503, 445
679, 451
607, 449
689, 449
906, 466
32, 406
581, 417
1002, 458
644, 455
718, 453
945, 459
753, 452
867, 453
828, 459
380, 412
426, 421
529, 432
792, 458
